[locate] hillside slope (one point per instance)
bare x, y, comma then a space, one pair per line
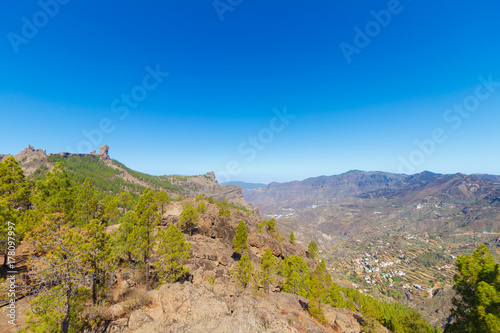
113, 177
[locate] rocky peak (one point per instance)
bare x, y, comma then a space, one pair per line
211, 175
103, 152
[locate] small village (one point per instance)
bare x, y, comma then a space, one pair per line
383, 265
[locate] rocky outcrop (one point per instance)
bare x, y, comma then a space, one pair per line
138, 319
30, 159
211, 175
103, 152
119, 326
211, 245
208, 185
189, 308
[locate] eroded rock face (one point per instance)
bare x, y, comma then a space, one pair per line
118, 326
103, 152
30, 159
189, 308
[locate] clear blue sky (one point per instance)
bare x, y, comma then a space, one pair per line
225, 77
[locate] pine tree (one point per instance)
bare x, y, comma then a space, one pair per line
335, 298
321, 281
202, 208
267, 269
122, 243
242, 273
110, 212
477, 307
271, 224
125, 201
292, 237
189, 218
162, 199
350, 305
14, 187
324, 278
48, 311
142, 236
98, 256
173, 252
295, 271
88, 206
317, 297
55, 194
240, 239
14, 198
224, 212
312, 250
60, 272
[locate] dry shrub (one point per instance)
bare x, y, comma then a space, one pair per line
127, 274
95, 315
136, 299
140, 276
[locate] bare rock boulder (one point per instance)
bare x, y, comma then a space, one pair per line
137, 319
117, 310
118, 326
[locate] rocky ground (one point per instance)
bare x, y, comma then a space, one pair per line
202, 308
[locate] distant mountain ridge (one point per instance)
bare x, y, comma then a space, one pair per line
362, 184
245, 185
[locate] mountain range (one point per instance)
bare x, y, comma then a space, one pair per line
361, 184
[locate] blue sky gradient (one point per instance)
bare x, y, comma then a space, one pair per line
225, 78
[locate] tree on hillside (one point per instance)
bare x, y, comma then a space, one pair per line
14, 197
271, 224
317, 297
88, 206
60, 274
121, 241
242, 273
142, 233
267, 269
295, 271
110, 212
335, 298
240, 239
202, 207
321, 281
14, 187
312, 250
477, 307
323, 276
125, 201
189, 218
292, 237
162, 199
55, 193
224, 212
173, 252
98, 256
